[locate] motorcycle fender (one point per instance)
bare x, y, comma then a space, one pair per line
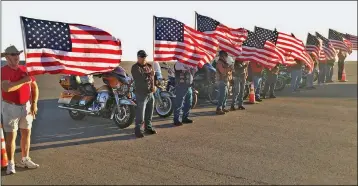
126, 102
167, 94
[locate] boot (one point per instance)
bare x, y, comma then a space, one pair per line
225, 110
232, 108
220, 112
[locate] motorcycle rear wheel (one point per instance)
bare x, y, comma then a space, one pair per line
76, 115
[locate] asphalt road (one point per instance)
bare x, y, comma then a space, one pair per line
304, 138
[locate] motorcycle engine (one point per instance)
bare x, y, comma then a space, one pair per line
100, 102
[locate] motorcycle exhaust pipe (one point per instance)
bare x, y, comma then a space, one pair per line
79, 110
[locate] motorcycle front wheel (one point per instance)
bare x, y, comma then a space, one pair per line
125, 117
315, 76
280, 84
213, 93
166, 108
246, 92
195, 100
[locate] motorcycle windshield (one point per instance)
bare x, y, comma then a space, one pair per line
210, 68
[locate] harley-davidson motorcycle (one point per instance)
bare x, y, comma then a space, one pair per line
110, 101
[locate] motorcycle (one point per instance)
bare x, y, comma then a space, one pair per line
109, 101
170, 85
205, 82
164, 100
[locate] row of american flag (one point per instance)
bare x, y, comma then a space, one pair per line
77, 49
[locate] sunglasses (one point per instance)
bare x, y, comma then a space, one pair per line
14, 54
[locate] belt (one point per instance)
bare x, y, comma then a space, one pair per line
12, 103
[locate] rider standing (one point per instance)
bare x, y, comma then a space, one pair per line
223, 73
184, 94
239, 76
143, 76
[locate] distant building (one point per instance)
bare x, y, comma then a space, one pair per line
3, 62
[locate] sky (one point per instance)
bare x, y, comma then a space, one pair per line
132, 21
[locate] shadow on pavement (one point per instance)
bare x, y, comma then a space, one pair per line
54, 128
336, 90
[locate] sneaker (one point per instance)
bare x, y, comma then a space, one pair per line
10, 168
27, 163
241, 108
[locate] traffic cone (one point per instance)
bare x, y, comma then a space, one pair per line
343, 76
252, 95
4, 160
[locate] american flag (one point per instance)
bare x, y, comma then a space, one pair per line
65, 48
230, 39
339, 42
287, 44
353, 39
327, 46
260, 51
174, 41
313, 45
322, 56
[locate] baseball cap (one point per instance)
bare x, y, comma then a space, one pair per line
141, 53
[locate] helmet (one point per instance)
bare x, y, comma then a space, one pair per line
120, 71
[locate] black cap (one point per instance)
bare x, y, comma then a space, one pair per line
223, 53
141, 53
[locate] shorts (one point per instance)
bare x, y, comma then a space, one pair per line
15, 116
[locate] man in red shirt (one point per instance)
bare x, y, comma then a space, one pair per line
19, 107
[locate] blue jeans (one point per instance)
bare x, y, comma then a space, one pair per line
270, 84
296, 75
322, 73
239, 89
257, 86
309, 80
329, 72
223, 93
183, 101
144, 111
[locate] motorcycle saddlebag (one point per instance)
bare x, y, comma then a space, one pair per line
69, 97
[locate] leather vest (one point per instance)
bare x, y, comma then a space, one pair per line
183, 77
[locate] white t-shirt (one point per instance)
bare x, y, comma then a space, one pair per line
157, 69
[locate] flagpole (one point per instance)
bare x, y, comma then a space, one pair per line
153, 36
23, 37
195, 20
